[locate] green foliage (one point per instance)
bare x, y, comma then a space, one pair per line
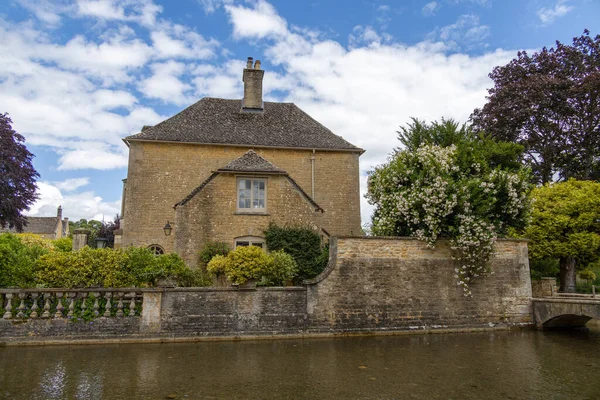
247, 262
17, 261
54, 265
251, 262
565, 221
63, 244
544, 268
31, 239
303, 244
283, 269
449, 182
587, 274
211, 249
217, 265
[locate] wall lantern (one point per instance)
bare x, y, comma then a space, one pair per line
101, 242
167, 228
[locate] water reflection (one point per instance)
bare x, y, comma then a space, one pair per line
502, 365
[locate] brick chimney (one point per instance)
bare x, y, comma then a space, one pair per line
252, 78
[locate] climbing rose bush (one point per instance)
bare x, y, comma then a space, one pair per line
430, 193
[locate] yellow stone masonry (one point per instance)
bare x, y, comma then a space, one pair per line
162, 174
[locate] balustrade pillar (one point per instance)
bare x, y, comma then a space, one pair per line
34, 305
8, 307
21, 308
108, 306
46, 313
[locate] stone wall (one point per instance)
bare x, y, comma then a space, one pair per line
369, 285
162, 174
230, 311
399, 283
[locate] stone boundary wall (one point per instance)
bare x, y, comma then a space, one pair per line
400, 284
370, 285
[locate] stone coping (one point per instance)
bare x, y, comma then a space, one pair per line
414, 238
155, 290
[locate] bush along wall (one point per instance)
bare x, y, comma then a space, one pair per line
30, 263
303, 244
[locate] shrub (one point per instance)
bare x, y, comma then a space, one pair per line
17, 261
587, 274
212, 249
251, 262
247, 262
30, 239
283, 269
303, 244
63, 244
218, 265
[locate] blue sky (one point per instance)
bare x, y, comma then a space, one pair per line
78, 76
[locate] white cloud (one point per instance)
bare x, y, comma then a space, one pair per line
211, 6
72, 184
430, 9
165, 84
46, 11
257, 22
75, 205
466, 32
366, 35
549, 15
91, 159
141, 11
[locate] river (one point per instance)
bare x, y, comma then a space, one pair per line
495, 365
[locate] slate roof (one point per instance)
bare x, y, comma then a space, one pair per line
251, 162
38, 225
220, 121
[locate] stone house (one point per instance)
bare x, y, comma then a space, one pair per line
224, 169
46, 227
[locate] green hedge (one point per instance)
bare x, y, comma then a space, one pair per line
303, 244
25, 265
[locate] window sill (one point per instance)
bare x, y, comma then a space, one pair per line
264, 214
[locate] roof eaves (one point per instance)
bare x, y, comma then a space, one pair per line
250, 146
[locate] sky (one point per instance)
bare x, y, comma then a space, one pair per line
78, 76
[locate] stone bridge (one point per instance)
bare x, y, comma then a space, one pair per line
561, 311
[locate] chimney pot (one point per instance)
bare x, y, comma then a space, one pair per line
59, 212
252, 78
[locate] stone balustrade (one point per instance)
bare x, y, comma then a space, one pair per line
79, 304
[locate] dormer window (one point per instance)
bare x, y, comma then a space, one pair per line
252, 195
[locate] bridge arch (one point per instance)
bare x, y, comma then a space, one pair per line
564, 313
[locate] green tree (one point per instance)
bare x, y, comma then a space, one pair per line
550, 103
565, 225
17, 177
448, 182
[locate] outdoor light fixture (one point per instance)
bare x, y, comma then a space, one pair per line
167, 228
101, 242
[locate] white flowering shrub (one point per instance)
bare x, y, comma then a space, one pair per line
452, 192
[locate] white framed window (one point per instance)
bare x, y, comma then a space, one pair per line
250, 241
252, 194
